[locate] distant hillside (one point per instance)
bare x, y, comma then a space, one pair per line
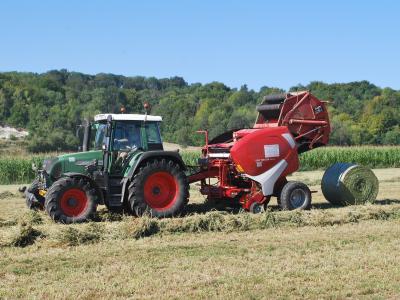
50, 105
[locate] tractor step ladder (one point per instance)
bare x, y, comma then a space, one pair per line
114, 198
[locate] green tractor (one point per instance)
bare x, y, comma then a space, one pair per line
122, 165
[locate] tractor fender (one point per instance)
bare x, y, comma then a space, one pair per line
172, 155
92, 182
146, 156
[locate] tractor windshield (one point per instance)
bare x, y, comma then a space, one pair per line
128, 135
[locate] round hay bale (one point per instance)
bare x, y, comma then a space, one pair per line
349, 184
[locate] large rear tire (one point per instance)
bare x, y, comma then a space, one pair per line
71, 200
159, 189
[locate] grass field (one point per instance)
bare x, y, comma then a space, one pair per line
328, 252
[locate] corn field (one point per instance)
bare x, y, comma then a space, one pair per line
15, 170
369, 156
322, 158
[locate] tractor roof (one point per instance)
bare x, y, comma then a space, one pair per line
127, 117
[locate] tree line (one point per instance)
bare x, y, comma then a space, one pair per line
50, 105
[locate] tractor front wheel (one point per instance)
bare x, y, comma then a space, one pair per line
71, 200
160, 189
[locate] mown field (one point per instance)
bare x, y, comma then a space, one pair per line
16, 168
327, 252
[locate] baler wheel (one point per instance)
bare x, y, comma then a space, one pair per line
256, 208
295, 195
71, 200
159, 189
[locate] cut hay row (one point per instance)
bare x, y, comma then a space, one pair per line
32, 226
14, 170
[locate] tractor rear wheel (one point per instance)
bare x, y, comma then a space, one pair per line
295, 195
71, 200
159, 189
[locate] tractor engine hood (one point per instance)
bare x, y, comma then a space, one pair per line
71, 162
48, 163
52, 167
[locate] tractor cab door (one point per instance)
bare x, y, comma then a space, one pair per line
98, 140
129, 136
151, 130
126, 137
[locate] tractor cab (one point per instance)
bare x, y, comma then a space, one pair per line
108, 143
124, 132
118, 136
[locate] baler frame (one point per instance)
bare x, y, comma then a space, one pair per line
300, 118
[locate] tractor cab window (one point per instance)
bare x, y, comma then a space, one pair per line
98, 135
126, 136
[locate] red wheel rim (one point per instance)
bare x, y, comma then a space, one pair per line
73, 202
160, 190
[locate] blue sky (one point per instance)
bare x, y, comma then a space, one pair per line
273, 43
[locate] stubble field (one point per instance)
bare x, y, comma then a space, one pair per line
328, 252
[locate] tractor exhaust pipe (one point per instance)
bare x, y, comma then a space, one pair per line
86, 135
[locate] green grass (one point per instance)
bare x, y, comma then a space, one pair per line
18, 169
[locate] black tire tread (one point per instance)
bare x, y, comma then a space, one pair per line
55, 193
136, 199
284, 199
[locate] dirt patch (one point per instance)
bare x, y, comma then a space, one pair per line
172, 147
7, 132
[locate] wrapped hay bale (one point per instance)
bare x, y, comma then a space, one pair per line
349, 184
